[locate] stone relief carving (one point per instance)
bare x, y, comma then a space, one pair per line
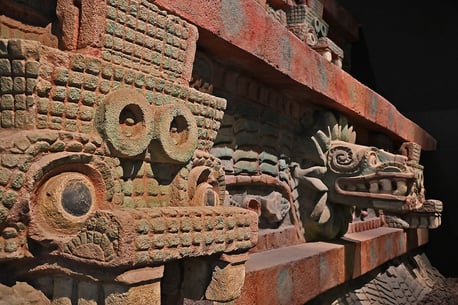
302, 167
309, 172
107, 184
345, 176
112, 189
304, 18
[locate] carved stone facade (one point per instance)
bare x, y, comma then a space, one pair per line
138, 166
298, 165
107, 180
305, 20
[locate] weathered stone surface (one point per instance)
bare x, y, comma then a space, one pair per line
264, 38
285, 269
141, 275
338, 267
143, 294
372, 248
22, 293
145, 144
225, 282
411, 280
111, 128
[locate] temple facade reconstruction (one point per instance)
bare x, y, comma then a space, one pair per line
202, 152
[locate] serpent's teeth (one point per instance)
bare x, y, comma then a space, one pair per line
401, 188
351, 187
361, 187
385, 185
373, 187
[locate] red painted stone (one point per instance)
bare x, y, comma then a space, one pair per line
280, 276
372, 248
294, 66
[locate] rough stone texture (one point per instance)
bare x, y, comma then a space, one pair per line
409, 280
372, 248
374, 266
442, 293
279, 276
245, 25
144, 142
221, 287
105, 157
22, 293
255, 141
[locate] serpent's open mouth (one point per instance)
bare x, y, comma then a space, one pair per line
381, 185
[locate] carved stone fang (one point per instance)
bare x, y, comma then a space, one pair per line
401, 188
373, 187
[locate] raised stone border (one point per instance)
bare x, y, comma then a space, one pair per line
299, 273
246, 26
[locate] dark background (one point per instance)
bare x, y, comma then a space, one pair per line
407, 53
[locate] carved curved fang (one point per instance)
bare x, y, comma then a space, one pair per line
401, 188
373, 187
325, 215
385, 186
319, 207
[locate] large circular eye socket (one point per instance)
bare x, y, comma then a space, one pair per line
179, 130
66, 200
131, 121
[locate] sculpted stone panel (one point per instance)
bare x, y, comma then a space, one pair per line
134, 170
344, 176
299, 166
107, 184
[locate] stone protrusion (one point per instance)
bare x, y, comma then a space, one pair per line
126, 120
226, 282
175, 134
172, 233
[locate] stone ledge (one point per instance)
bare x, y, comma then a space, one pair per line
296, 274
246, 36
292, 275
367, 250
